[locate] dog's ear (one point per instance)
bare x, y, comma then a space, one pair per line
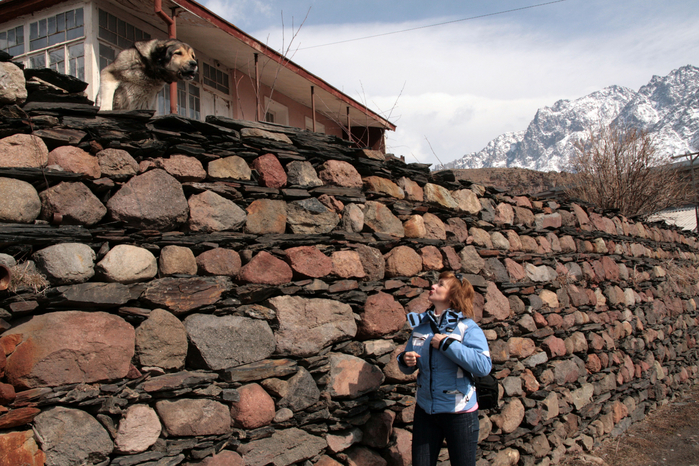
146, 47
161, 52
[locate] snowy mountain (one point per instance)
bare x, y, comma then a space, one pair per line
667, 106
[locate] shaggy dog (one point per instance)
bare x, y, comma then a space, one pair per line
132, 81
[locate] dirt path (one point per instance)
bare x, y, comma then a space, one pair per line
668, 437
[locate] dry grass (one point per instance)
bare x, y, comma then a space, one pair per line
25, 277
681, 276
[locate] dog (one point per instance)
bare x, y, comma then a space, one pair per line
132, 81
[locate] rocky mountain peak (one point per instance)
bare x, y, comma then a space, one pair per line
667, 106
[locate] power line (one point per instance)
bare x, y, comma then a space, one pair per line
435, 25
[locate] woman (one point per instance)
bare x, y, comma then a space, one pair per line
447, 346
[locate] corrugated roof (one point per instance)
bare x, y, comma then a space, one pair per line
683, 217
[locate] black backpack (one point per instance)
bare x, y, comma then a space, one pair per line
487, 390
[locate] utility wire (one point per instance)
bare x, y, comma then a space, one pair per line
434, 25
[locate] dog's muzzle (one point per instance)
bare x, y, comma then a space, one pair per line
191, 71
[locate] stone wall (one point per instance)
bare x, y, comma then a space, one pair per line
229, 293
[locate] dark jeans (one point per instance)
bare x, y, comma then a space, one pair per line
460, 431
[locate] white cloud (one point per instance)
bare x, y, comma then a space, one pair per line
464, 84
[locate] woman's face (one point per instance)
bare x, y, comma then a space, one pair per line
439, 294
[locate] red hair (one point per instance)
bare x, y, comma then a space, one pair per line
460, 293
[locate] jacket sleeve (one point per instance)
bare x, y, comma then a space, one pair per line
401, 365
471, 354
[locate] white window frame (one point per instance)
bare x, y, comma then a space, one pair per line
280, 112
192, 101
13, 30
68, 47
221, 71
320, 127
122, 40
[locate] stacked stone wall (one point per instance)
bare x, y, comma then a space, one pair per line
229, 293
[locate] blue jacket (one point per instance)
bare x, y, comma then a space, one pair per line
443, 386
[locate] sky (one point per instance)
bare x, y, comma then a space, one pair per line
451, 88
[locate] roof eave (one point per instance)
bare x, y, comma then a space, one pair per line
250, 41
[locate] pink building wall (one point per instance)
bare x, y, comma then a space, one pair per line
243, 94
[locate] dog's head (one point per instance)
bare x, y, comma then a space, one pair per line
175, 59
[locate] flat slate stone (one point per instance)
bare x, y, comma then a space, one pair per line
94, 295
178, 380
64, 81
68, 107
283, 448
60, 136
260, 370
181, 295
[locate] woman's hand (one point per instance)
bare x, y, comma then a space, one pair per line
410, 358
437, 339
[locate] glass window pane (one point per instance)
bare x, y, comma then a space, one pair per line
118, 31
56, 55
43, 30
80, 68
70, 19
163, 101
51, 25
57, 60
111, 37
16, 50
77, 50
38, 44
12, 41
194, 103
57, 38
37, 61
75, 33
79, 17
107, 55
111, 53
76, 61
33, 31
61, 22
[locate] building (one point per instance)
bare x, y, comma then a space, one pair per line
239, 76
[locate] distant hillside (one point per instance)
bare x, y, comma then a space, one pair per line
668, 107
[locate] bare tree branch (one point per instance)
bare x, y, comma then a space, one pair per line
619, 167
